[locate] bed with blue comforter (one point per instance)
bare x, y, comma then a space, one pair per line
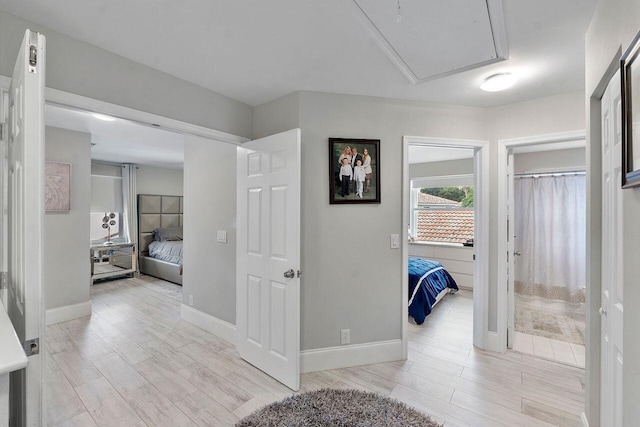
427, 279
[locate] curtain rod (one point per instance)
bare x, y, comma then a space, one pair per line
546, 174
105, 163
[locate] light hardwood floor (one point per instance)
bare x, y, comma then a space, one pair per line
134, 362
547, 348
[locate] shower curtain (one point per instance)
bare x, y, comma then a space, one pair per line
550, 224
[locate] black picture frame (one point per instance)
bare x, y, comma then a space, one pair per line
370, 186
630, 101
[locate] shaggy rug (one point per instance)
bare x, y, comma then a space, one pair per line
329, 407
568, 327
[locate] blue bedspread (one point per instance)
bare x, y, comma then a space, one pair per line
426, 280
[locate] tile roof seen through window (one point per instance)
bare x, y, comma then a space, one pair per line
444, 225
428, 199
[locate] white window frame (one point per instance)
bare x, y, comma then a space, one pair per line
435, 182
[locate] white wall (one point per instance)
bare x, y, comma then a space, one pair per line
276, 116
614, 24
83, 69
210, 205
447, 167
67, 270
105, 169
560, 113
352, 279
149, 179
154, 180
333, 301
555, 160
457, 260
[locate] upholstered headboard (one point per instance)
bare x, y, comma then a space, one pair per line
155, 211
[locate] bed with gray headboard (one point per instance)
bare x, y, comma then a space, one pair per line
158, 214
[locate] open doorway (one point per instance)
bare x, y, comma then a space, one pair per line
548, 196
473, 154
105, 154
440, 246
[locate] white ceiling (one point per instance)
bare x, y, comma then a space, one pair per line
256, 50
436, 38
121, 141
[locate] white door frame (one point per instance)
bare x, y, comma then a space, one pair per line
79, 102
4, 119
504, 145
481, 233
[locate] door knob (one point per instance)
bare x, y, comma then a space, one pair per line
289, 274
517, 253
602, 311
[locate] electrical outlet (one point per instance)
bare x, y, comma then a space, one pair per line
345, 336
191, 300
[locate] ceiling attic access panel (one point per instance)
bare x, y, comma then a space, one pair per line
431, 39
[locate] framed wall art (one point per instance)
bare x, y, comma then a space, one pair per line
354, 171
630, 78
57, 186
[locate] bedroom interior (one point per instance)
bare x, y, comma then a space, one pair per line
122, 167
320, 114
440, 239
441, 229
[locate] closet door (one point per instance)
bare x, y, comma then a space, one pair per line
611, 308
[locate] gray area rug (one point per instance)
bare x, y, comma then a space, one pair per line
568, 327
329, 407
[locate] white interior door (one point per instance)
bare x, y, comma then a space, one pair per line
511, 253
612, 285
268, 255
25, 302
4, 117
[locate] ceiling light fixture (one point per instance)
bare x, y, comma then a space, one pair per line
498, 82
103, 117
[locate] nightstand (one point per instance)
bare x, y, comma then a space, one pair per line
118, 259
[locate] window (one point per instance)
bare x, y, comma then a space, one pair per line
441, 214
106, 198
97, 232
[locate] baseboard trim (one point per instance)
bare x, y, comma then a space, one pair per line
583, 418
350, 355
217, 327
68, 312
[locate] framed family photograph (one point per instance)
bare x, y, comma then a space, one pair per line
630, 76
354, 171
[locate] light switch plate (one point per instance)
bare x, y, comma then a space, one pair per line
395, 241
222, 236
